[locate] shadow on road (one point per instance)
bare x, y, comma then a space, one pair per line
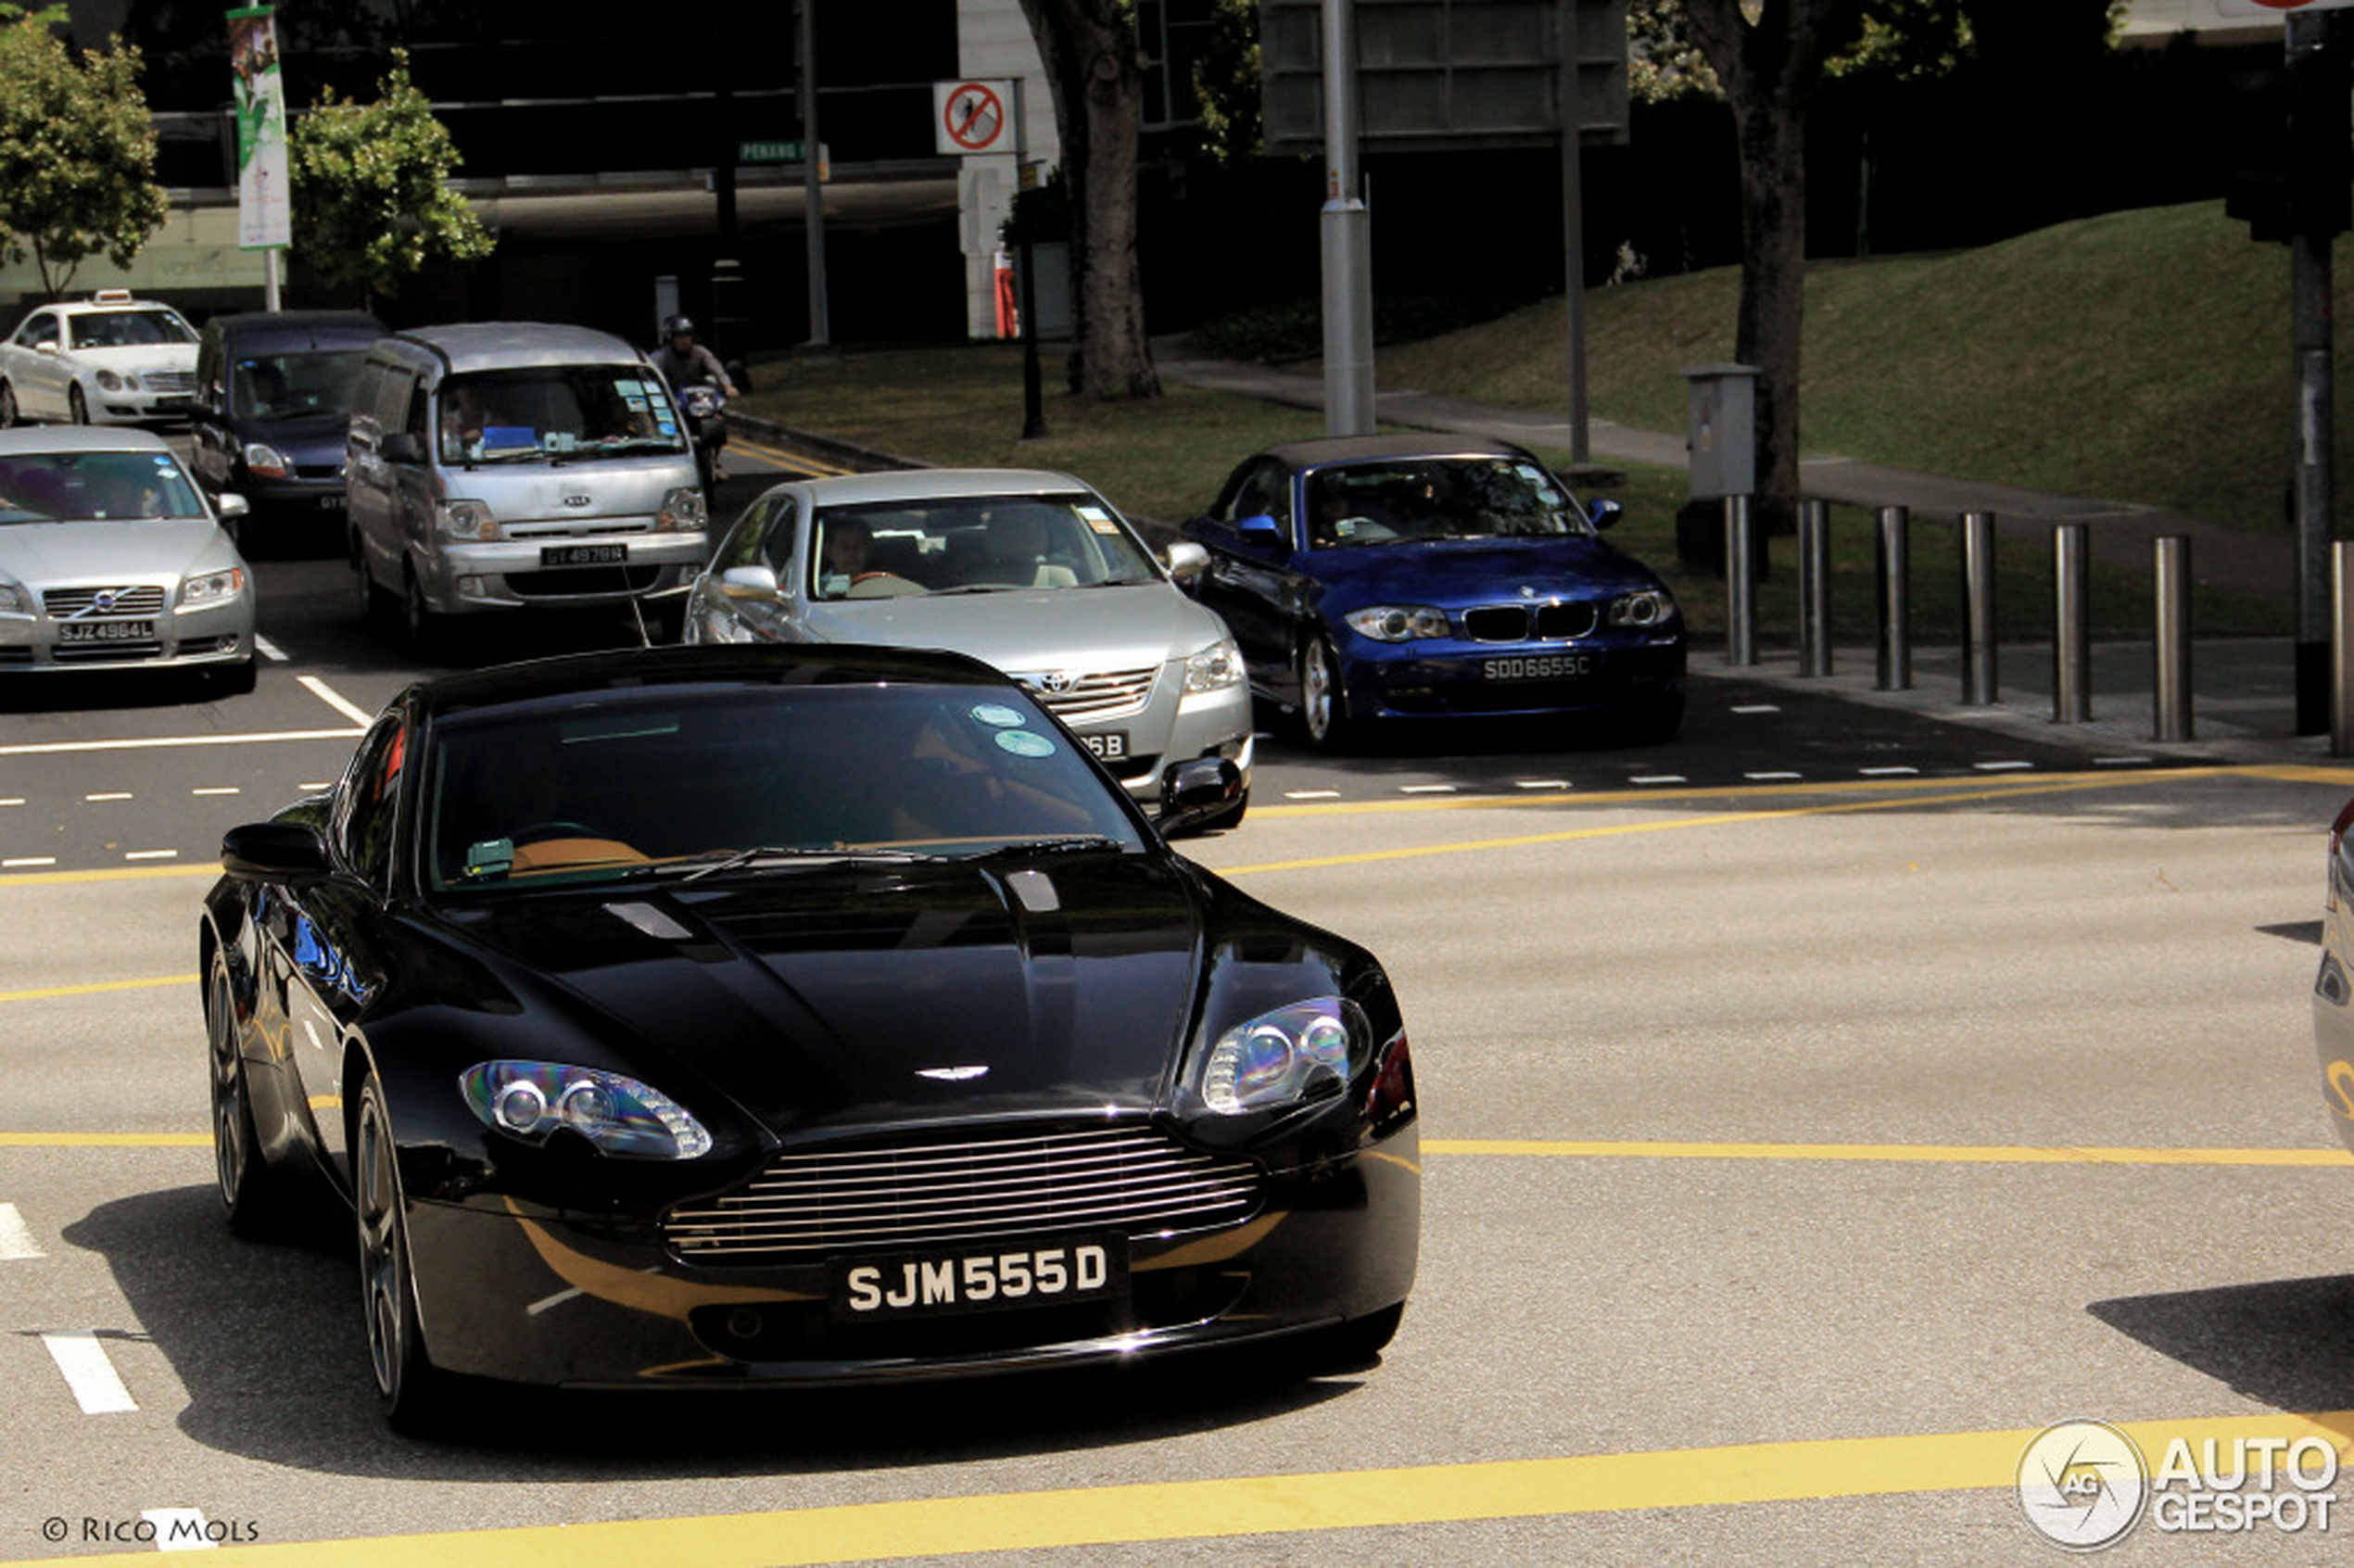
2284, 1343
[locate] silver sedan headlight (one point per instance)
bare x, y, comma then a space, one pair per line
14, 600
212, 588
1216, 667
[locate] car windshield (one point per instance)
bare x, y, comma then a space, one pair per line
555, 414
127, 329
289, 385
73, 487
1421, 499
973, 544
675, 783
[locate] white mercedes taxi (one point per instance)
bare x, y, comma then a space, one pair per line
107, 359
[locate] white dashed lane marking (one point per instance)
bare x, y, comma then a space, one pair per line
97, 1386
16, 1237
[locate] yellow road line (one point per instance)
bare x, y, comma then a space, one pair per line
95, 987
1271, 1505
792, 462
1925, 1153
1973, 795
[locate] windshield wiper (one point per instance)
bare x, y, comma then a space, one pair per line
701, 866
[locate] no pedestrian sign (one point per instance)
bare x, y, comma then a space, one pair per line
970, 117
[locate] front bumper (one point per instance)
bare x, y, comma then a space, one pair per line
218, 633
142, 406
511, 574
1174, 725
1625, 673
599, 1301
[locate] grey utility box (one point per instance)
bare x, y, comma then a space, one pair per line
1723, 458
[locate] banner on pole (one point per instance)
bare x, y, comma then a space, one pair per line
265, 217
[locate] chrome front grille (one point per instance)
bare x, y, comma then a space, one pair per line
1001, 1183
168, 381
1114, 694
143, 600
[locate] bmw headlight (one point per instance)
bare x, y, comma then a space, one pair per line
1305, 1051
211, 586
267, 460
467, 520
682, 511
619, 1116
109, 381
1216, 667
1398, 623
1651, 607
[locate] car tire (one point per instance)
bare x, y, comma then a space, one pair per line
77, 405
253, 1195
415, 1395
367, 598
10, 415
1323, 703
1358, 1342
232, 680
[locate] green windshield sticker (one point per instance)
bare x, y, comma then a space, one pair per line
1025, 743
997, 715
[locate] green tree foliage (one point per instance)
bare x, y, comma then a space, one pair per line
371, 199
76, 151
1226, 83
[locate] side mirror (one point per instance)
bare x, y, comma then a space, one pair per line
232, 506
275, 851
400, 447
1192, 792
1187, 560
49, 348
1602, 513
1260, 531
748, 582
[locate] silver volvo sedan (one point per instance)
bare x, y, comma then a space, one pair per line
111, 559
1032, 572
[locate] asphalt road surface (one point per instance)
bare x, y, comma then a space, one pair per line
1815, 1107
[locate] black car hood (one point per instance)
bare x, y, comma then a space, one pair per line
855, 996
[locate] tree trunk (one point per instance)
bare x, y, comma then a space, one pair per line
1097, 79
1768, 67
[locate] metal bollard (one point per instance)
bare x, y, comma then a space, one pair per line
2172, 676
1895, 600
1979, 675
2071, 625
1814, 588
1740, 581
2342, 648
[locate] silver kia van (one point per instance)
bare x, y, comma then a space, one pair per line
500, 465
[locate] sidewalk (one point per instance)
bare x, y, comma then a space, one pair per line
2243, 697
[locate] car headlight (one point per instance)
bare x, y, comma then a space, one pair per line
108, 382
467, 520
267, 460
619, 1116
1651, 607
14, 600
212, 586
682, 511
1293, 1054
1398, 622
1216, 667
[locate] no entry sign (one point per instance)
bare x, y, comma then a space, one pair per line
971, 116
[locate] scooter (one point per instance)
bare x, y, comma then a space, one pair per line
700, 403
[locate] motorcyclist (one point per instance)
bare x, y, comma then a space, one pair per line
684, 362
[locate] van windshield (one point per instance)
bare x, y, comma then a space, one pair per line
556, 413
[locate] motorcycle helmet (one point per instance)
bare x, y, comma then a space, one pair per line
678, 327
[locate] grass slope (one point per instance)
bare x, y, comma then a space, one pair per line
2138, 357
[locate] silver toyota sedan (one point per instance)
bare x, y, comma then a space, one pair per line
1032, 572
111, 559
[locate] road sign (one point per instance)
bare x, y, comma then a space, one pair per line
971, 116
767, 152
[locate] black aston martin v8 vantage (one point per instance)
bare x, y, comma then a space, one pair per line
707, 1016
